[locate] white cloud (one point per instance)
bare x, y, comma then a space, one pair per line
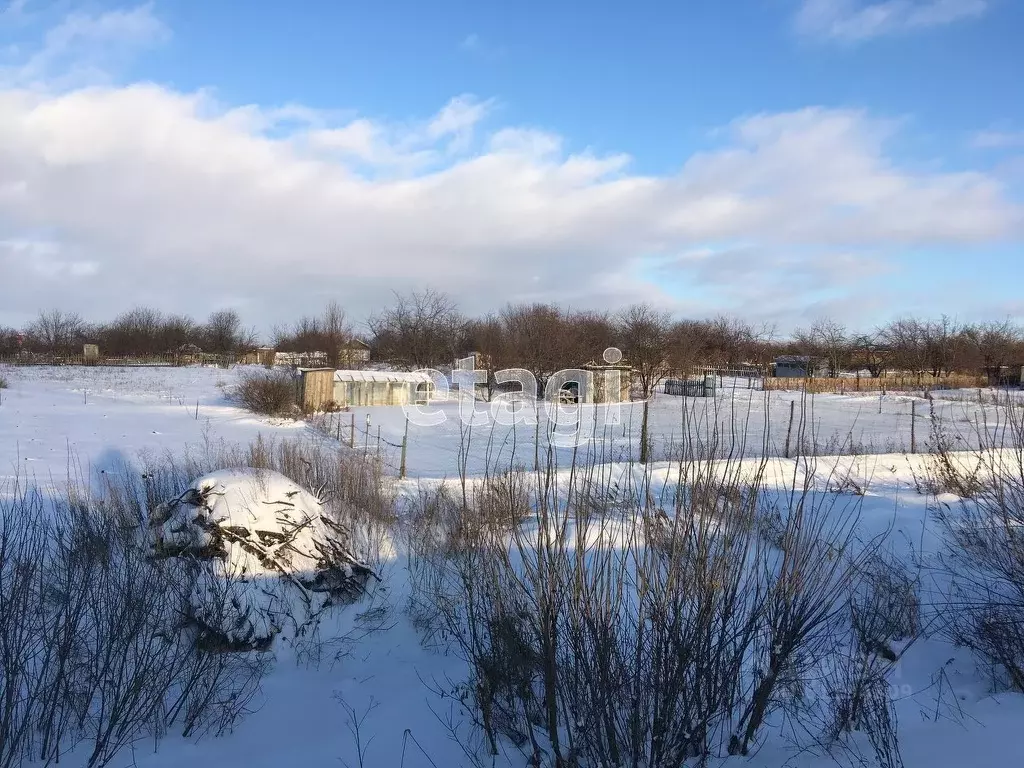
81, 48
459, 116
998, 140
858, 20
406, 148
143, 194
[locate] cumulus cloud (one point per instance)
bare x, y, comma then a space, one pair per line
114, 195
83, 47
858, 20
405, 148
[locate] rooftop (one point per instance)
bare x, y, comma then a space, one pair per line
394, 377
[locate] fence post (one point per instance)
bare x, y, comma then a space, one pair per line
913, 426
405, 443
378, 442
536, 438
352, 434
789, 432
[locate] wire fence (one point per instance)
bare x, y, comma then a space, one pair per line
225, 360
919, 382
900, 424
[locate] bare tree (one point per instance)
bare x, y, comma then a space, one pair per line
539, 340
688, 344
56, 331
870, 353
644, 335
134, 332
328, 333
486, 336
941, 340
423, 329
177, 331
224, 333
826, 338
590, 333
9, 341
730, 341
995, 344
904, 340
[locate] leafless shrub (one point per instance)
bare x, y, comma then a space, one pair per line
504, 499
92, 653
860, 697
271, 393
884, 622
951, 470
886, 607
984, 559
657, 629
95, 648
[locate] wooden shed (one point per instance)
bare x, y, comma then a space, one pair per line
316, 389
608, 383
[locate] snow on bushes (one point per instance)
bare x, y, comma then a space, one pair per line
277, 556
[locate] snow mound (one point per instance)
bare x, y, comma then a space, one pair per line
270, 552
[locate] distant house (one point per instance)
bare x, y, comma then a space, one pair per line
353, 354
356, 387
301, 359
599, 385
1006, 375
799, 367
265, 356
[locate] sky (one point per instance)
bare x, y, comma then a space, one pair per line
780, 160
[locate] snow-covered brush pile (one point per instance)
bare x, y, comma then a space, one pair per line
277, 555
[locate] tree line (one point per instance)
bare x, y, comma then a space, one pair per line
426, 329
139, 332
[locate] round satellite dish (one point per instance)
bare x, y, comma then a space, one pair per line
612, 355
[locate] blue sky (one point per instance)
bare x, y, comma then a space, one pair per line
779, 159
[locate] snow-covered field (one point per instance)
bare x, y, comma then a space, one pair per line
739, 421
60, 421
104, 415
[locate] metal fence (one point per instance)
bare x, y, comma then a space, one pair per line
702, 387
